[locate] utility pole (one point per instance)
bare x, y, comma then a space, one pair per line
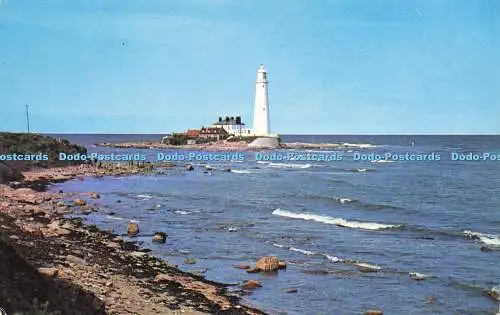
27, 118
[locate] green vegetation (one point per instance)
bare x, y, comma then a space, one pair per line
30, 143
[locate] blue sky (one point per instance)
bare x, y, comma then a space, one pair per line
336, 67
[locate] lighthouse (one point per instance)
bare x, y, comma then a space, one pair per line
261, 126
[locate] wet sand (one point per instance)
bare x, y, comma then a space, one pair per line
66, 267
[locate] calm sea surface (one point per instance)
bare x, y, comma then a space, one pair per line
331, 221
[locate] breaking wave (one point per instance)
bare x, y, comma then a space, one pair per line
358, 145
488, 239
241, 171
334, 221
333, 259
362, 170
382, 161
357, 203
305, 252
289, 165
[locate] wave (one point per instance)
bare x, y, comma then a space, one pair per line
305, 252
144, 196
488, 239
335, 221
182, 212
288, 165
263, 162
333, 259
357, 203
110, 217
358, 145
366, 266
495, 292
382, 161
418, 276
362, 170
241, 171
343, 201
340, 200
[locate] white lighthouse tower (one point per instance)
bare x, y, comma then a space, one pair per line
261, 125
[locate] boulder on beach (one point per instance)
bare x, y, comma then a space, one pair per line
8, 174
95, 196
160, 237
49, 272
132, 228
374, 312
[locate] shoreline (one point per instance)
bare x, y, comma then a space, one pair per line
232, 146
116, 276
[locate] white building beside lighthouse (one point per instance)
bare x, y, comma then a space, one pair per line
261, 125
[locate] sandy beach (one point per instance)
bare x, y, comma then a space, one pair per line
62, 266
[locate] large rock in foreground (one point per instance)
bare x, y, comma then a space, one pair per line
8, 174
269, 263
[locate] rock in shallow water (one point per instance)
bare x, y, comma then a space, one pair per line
132, 228
79, 202
251, 284
267, 263
190, 261
160, 237
374, 312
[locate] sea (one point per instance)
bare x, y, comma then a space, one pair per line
405, 236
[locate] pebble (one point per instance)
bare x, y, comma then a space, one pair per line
76, 260
49, 272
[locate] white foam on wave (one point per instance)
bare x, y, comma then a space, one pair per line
182, 212
241, 171
333, 259
334, 221
289, 165
367, 265
144, 196
303, 251
263, 162
488, 239
358, 145
343, 201
111, 217
495, 293
381, 161
418, 275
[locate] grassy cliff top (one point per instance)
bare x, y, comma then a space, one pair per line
35, 144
